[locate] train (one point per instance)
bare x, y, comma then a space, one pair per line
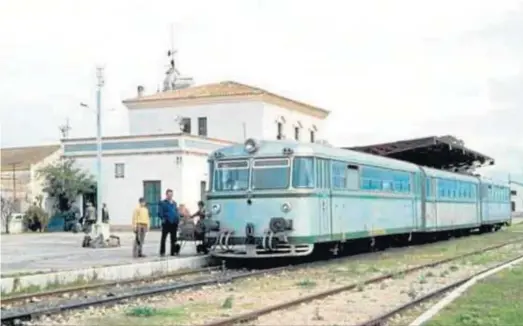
281, 198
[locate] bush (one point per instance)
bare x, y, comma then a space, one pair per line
33, 214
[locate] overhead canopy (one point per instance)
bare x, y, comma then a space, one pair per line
445, 153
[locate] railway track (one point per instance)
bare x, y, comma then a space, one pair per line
382, 319
95, 286
253, 315
113, 295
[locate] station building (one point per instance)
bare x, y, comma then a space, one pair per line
516, 191
171, 133
20, 182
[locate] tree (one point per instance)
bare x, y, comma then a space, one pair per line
64, 182
7, 212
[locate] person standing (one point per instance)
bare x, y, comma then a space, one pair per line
105, 213
170, 217
140, 227
90, 217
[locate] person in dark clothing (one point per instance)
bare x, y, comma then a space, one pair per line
170, 217
105, 213
201, 211
200, 228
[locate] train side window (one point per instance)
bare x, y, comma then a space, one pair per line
441, 191
338, 175
352, 177
319, 173
327, 173
303, 172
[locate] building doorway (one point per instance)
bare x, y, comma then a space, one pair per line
152, 193
203, 190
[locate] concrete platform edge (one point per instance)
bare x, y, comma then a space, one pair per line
47, 281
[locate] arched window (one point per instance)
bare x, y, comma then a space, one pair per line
280, 121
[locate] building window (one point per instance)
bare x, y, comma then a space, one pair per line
119, 170
186, 125
513, 192
202, 126
297, 133
312, 136
280, 131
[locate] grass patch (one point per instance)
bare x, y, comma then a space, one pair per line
437, 251
51, 285
150, 312
306, 283
494, 301
227, 304
148, 316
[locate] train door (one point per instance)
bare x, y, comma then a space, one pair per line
431, 212
485, 201
323, 177
476, 193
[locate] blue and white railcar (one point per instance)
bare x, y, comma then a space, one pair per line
495, 203
281, 198
260, 207
451, 201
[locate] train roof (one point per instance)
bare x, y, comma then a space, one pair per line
431, 172
271, 147
501, 183
443, 153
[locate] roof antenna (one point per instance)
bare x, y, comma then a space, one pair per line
172, 73
65, 128
173, 78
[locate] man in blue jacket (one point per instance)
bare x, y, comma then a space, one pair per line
168, 213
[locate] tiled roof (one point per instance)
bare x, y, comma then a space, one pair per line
23, 157
215, 90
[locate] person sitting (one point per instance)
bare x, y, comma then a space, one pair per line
201, 211
200, 231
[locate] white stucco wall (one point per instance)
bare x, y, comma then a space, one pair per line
28, 184
178, 162
273, 113
37, 182
122, 194
232, 121
224, 120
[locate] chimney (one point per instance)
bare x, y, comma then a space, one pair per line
140, 91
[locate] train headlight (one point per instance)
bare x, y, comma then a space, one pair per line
286, 207
216, 208
251, 146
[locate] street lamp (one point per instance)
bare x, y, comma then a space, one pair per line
99, 229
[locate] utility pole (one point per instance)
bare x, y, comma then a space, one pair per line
100, 232
99, 198
13, 171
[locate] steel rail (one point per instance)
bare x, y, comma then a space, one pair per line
382, 319
98, 285
253, 315
30, 311
87, 287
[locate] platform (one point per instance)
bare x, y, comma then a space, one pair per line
36, 259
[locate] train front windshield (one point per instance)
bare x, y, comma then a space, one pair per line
258, 174
231, 176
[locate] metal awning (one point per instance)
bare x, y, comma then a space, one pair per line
445, 153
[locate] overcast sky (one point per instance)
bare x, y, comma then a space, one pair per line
386, 69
